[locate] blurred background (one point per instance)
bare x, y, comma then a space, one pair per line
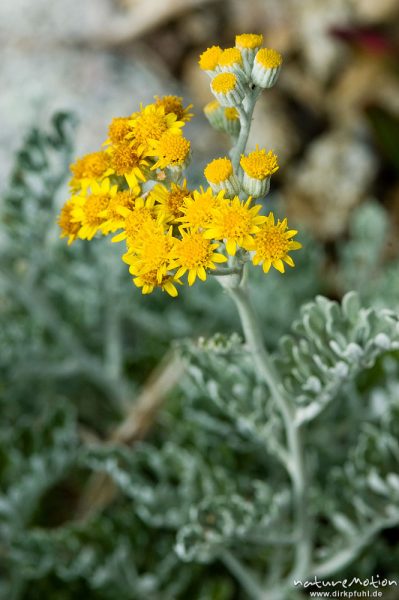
81, 349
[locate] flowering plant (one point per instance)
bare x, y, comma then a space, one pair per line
278, 469
135, 184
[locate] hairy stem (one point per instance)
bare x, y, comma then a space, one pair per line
265, 367
246, 112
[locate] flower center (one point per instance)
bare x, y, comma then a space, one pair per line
149, 126
269, 58
118, 130
271, 243
218, 170
229, 57
259, 164
209, 59
224, 83
90, 166
93, 206
124, 159
173, 148
194, 251
249, 40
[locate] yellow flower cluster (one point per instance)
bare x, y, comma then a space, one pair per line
134, 188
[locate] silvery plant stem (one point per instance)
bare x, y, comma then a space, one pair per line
246, 111
264, 365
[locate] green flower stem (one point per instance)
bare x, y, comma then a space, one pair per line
265, 367
246, 111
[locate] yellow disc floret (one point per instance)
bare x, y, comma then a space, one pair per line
224, 83
89, 168
119, 129
272, 243
88, 210
194, 253
151, 123
269, 58
69, 227
171, 150
219, 170
198, 210
249, 40
169, 201
235, 222
259, 164
174, 104
209, 59
230, 57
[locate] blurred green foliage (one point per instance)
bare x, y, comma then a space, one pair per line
206, 492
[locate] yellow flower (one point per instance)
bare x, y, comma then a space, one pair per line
266, 67
127, 162
259, 164
172, 150
269, 58
174, 104
169, 202
249, 40
220, 175
235, 222
119, 129
230, 57
272, 243
87, 210
150, 124
90, 167
113, 219
198, 210
208, 61
227, 89
149, 281
150, 263
194, 253
137, 222
68, 227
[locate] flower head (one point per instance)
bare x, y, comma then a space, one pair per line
69, 227
194, 253
172, 150
198, 210
152, 252
248, 44
220, 175
150, 124
127, 162
208, 61
249, 41
89, 168
112, 216
272, 243
174, 104
266, 67
169, 202
259, 164
118, 130
148, 282
235, 222
227, 89
138, 221
88, 210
